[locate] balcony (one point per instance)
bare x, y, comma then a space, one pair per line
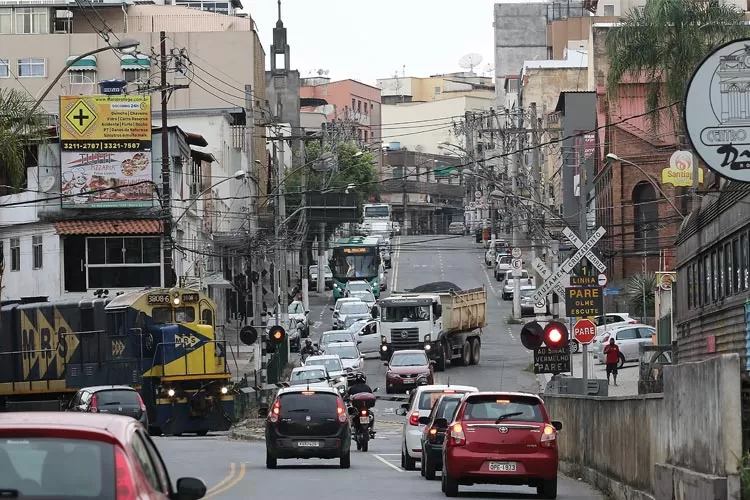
356, 116
448, 191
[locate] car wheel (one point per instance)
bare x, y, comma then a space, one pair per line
422, 464
270, 461
466, 354
450, 485
621, 361
476, 351
407, 463
429, 467
547, 489
346, 461
442, 361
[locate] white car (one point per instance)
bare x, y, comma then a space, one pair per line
349, 311
356, 286
327, 277
608, 321
627, 338
525, 280
420, 405
313, 377
365, 296
333, 336
366, 335
335, 369
527, 301
351, 358
502, 264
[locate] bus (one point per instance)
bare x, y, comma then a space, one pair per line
380, 211
355, 258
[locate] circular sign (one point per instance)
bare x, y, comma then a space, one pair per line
541, 304
601, 280
715, 122
584, 331
516, 264
666, 280
516, 253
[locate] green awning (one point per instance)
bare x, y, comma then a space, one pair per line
444, 171
88, 63
134, 62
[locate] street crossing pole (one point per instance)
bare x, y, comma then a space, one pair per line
536, 172
515, 164
583, 230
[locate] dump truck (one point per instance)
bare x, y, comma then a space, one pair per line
438, 317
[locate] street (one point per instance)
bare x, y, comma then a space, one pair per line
236, 469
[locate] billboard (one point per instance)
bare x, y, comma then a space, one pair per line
105, 151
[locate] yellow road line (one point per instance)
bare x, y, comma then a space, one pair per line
231, 484
232, 470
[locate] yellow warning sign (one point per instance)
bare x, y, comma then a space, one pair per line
81, 117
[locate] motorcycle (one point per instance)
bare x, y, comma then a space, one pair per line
362, 418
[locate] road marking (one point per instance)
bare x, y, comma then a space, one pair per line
386, 462
394, 264
228, 482
511, 334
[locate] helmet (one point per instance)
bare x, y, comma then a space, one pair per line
360, 378
308, 341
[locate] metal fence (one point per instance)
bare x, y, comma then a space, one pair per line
277, 361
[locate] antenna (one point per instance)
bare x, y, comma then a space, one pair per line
470, 61
488, 70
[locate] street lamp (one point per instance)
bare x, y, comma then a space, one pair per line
614, 157
240, 174
125, 46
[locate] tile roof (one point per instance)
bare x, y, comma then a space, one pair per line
109, 227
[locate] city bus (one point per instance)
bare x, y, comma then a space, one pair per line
355, 258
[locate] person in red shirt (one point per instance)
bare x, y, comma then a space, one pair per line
612, 351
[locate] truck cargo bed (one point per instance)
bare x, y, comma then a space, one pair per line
464, 310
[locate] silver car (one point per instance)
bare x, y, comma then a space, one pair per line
527, 302
366, 297
349, 312
351, 358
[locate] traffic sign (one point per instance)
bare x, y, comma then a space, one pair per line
549, 360
545, 273
601, 280
516, 264
584, 331
599, 265
611, 291
582, 302
568, 265
516, 253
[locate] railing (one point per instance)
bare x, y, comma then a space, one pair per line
277, 361
222, 343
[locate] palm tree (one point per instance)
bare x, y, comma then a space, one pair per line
18, 127
640, 291
664, 42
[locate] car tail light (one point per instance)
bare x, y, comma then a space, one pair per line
458, 438
341, 412
94, 406
273, 417
632, 322
141, 403
125, 486
414, 418
549, 437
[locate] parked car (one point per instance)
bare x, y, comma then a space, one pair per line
527, 302
351, 358
435, 425
627, 337
509, 285
456, 228
501, 438
408, 369
328, 277
421, 401
335, 369
308, 424
71, 456
115, 399
608, 321
502, 265
313, 377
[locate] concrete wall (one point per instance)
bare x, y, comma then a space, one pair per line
685, 442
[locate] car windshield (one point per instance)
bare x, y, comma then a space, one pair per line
498, 408
357, 325
343, 351
335, 337
411, 359
528, 293
428, 398
296, 307
355, 308
314, 269
406, 313
333, 365
117, 397
358, 287
305, 375
52, 467
364, 296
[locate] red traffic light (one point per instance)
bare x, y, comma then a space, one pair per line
555, 335
276, 334
532, 335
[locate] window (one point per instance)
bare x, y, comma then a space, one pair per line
136, 75
719, 274
428, 398
745, 262
512, 408
37, 251
123, 262
354, 104
728, 277
437, 90
15, 254
708, 281
714, 277
4, 68
627, 334
196, 176
397, 172
147, 465
31, 20
690, 287
646, 333
609, 10
80, 77
318, 403
32, 67
736, 268
6, 21
695, 290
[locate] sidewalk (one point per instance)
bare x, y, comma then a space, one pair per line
627, 376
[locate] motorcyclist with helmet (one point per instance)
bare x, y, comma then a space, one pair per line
308, 349
358, 387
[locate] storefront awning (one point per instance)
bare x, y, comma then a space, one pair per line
88, 63
134, 62
91, 227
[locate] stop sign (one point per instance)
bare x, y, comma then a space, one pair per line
584, 331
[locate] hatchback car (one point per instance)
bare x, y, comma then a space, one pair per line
456, 228
333, 336
313, 377
421, 401
501, 438
347, 311
408, 369
627, 337
308, 424
502, 265
527, 300
357, 286
435, 425
365, 296
67, 455
117, 399
327, 277
335, 369
510, 283
351, 358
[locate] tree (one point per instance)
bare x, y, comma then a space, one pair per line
15, 110
664, 42
640, 292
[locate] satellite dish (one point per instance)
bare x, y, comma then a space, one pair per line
46, 183
470, 61
488, 70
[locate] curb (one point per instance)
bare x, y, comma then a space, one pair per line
246, 436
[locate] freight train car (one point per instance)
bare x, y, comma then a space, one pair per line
161, 341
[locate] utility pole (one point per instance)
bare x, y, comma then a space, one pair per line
304, 264
405, 201
282, 214
321, 257
166, 189
469, 143
515, 164
584, 236
536, 172
256, 263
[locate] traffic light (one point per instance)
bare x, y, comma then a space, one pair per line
532, 335
276, 335
555, 335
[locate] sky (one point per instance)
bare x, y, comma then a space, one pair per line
415, 37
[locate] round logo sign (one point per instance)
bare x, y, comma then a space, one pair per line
716, 119
516, 253
601, 280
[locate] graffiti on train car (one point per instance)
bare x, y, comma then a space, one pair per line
47, 344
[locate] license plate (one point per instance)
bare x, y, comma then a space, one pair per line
502, 467
408, 380
364, 420
308, 444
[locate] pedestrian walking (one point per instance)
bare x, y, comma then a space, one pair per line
612, 352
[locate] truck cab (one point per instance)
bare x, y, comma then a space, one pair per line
409, 321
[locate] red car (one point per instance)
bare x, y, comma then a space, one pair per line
407, 369
501, 438
93, 455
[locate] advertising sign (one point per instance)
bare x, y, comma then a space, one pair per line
680, 171
105, 144
716, 118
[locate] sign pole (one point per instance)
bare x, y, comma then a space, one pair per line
166, 185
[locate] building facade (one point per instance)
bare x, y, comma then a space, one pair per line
398, 90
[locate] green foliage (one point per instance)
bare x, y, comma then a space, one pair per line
637, 286
15, 109
744, 470
665, 42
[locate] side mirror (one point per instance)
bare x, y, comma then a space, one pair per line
331, 308
361, 356
307, 312
190, 488
424, 420
557, 425
359, 342
315, 345
385, 363
401, 412
376, 389
440, 423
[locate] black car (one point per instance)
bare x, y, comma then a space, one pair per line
308, 424
436, 424
117, 399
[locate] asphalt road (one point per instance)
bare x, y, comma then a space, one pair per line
236, 469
